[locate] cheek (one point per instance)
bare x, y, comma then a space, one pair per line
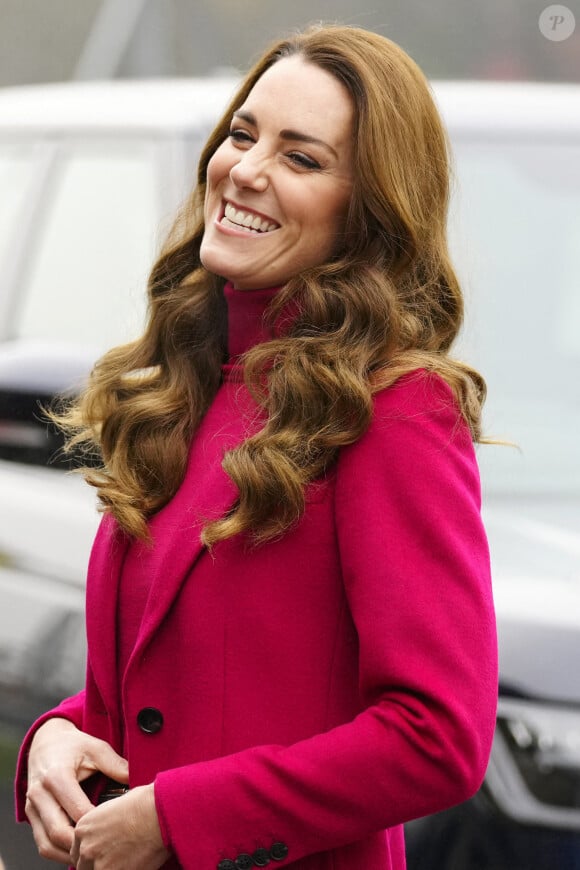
329, 224
332, 218
217, 168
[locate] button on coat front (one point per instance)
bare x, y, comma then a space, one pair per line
150, 720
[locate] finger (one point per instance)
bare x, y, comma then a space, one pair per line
80, 863
74, 852
47, 847
104, 758
41, 805
67, 794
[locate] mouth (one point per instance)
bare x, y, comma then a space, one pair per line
244, 219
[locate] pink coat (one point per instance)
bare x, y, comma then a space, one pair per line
307, 697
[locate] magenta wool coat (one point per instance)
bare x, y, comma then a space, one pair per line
295, 703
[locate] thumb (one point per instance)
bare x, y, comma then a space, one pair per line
111, 764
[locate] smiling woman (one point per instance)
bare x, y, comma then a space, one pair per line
286, 166
291, 637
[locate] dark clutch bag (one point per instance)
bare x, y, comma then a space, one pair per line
113, 790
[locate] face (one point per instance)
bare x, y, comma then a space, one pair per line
278, 187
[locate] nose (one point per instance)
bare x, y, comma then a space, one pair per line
251, 171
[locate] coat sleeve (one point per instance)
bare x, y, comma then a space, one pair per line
71, 709
415, 565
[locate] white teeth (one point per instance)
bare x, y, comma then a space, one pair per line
247, 219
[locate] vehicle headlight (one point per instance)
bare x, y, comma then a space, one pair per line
534, 770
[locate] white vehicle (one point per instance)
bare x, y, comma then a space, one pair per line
91, 175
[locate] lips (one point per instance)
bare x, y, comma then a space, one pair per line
246, 220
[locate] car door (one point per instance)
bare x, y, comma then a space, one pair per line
80, 221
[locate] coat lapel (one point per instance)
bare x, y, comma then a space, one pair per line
206, 493
178, 550
181, 550
104, 571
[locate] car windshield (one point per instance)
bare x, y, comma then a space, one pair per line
515, 237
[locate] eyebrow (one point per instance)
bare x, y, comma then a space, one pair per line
287, 135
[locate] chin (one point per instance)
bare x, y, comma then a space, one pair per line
211, 261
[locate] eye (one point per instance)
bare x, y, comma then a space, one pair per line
237, 134
303, 161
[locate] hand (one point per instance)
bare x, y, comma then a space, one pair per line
122, 834
60, 758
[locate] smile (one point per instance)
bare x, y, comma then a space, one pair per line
246, 220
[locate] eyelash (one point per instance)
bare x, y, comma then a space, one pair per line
299, 159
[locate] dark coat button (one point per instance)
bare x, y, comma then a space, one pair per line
279, 851
226, 864
244, 861
150, 720
261, 857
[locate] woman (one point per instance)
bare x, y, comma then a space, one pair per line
290, 626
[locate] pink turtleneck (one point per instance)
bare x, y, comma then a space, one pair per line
246, 328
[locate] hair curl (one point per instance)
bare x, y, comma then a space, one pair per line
388, 303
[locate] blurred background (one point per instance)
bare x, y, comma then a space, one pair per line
51, 40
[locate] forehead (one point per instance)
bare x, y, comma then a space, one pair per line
300, 95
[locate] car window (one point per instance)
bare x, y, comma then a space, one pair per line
515, 232
95, 246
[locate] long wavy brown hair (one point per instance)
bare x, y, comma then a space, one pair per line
388, 303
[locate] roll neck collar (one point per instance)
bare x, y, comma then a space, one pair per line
246, 326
